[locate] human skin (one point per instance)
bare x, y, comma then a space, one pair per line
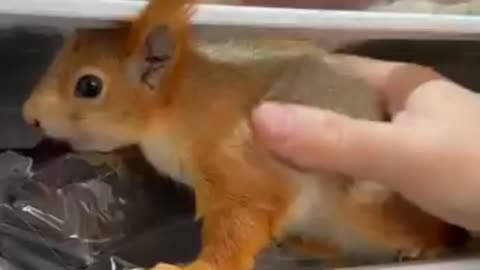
429, 152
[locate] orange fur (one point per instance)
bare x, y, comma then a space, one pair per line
200, 133
173, 14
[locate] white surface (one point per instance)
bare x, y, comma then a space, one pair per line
248, 20
465, 264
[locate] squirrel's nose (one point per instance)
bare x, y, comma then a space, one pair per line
33, 122
29, 116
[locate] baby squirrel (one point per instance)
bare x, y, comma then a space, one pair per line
186, 105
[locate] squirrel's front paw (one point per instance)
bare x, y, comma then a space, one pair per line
164, 266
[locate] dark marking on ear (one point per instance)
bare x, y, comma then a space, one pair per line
76, 116
154, 63
157, 59
147, 67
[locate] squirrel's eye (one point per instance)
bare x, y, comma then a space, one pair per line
88, 86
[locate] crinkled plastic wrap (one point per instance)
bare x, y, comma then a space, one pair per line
77, 212
99, 212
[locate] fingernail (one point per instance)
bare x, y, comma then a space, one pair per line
272, 122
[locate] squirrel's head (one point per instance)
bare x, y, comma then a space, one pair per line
95, 97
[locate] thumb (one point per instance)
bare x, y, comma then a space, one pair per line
313, 139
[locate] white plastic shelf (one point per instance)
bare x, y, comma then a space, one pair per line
460, 264
248, 20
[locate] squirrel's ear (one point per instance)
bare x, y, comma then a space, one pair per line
174, 14
150, 62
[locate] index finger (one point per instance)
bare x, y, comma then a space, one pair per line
394, 81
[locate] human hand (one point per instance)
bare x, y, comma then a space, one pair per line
430, 152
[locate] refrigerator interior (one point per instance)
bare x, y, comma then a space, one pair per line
64, 211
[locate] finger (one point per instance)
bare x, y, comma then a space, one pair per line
318, 140
395, 81
445, 100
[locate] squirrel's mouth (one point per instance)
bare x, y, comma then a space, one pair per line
84, 145
70, 144
47, 149
55, 146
